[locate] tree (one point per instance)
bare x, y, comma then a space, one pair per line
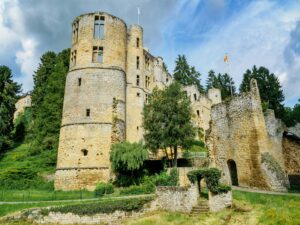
269, 87
292, 115
221, 81
127, 160
167, 121
47, 99
8, 98
185, 74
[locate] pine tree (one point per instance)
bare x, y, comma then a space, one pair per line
8, 98
269, 87
185, 74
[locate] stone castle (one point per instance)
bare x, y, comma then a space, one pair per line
110, 78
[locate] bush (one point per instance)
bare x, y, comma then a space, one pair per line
147, 188
103, 188
127, 205
211, 176
163, 179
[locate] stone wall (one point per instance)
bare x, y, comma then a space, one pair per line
21, 104
291, 153
178, 199
218, 202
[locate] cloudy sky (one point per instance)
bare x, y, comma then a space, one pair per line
263, 33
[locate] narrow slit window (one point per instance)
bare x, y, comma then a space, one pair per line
84, 152
99, 27
79, 81
138, 94
137, 42
138, 62
88, 112
147, 82
198, 113
195, 97
97, 54
137, 80
73, 57
75, 31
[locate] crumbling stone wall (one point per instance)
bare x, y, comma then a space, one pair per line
291, 154
238, 133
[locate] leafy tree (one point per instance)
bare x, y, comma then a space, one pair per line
185, 74
47, 99
8, 98
167, 121
127, 160
221, 81
269, 87
292, 115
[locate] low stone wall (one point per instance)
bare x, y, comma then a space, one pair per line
218, 202
179, 199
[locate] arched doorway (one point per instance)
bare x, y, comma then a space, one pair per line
233, 172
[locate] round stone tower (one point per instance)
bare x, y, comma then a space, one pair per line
94, 102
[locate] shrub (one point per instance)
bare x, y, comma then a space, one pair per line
103, 188
163, 179
211, 176
127, 205
147, 188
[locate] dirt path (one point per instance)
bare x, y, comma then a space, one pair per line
80, 200
263, 192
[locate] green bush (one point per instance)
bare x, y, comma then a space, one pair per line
211, 176
103, 188
127, 205
163, 179
146, 188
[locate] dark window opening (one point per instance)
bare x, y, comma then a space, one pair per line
99, 27
147, 82
167, 80
138, 62
195, 97
137, 128
147, 98
97, 54
198, 113
138, 94
88, 112
79, 81
137, 42
73, 57
137, 80
75, 31
84, 152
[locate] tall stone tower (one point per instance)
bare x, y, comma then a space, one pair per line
94, 102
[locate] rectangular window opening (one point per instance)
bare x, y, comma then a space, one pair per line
79, 81
99, 27
138, 62
147, 82
97, 54
137, 42
198, 113
88, 112
137, 80
195, 97
138, 94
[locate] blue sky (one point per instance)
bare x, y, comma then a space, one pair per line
263, 33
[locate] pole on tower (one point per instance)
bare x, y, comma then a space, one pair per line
138, 10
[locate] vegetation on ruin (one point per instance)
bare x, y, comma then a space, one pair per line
103, 189
186, 74
167, 121
8, 98
224, 82
292, 115
211, 176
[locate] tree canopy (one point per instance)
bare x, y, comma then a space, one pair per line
167, 121
269, 87
186, 74
47, 99
9, 91
224, 82
292, 115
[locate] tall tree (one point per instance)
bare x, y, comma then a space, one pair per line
269, 87
47, 99
292, 115
8, 98
185, 74
221, 81
167, 121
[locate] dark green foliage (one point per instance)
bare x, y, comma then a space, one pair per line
185, 74
127, 205
167, 121
23, 126
103, 188
292, 115
163, 179
8, 98
127, 161
269, 88
47, 99
146, 188
221, 81
211, 176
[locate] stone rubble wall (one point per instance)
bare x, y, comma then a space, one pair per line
176, 199
218, 202
291, 155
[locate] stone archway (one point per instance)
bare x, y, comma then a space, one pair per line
233, 172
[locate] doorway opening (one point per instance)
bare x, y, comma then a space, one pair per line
233, 172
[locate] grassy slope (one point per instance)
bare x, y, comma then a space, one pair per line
20, 168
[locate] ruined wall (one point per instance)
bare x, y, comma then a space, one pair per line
21, 104
291, 154
238, 133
